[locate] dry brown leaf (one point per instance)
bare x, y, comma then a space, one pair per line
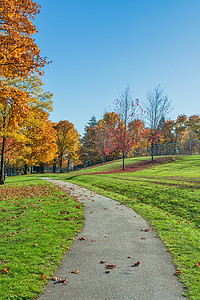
111, 266
82, 239
103, 261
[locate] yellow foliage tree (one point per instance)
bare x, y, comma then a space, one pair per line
68, 144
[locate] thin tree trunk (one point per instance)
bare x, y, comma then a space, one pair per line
152, 151
102, 158
60, 163
54, 168
2, 174
25, 169
123, 158
68, 165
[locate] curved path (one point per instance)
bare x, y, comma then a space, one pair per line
117, 231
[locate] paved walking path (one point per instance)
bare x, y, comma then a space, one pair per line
117, 231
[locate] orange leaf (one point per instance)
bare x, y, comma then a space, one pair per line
43, 276
75, 272
198, 264
137, 264
178, 272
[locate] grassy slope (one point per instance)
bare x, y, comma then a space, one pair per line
37, 224
168, 196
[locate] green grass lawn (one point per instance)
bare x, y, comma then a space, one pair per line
168, 196
38, 223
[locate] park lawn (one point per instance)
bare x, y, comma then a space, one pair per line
38, 223
167, 195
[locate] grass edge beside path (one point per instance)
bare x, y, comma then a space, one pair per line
180, 235
38, 223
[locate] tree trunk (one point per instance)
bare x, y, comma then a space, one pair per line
60, 163
25, 169
54, 168
123, 158
68, 165
102, 158
41, 168
152, 151
2, 174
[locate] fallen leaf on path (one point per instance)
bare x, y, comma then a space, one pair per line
144, 229
106, 236
168, 250
143, 238
137, 264
129, 257
107, 272
94, 241
103, 261
55, 278
111, 266
75, 272
82, 239
178, 272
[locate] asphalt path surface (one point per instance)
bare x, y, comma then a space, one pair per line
113, 233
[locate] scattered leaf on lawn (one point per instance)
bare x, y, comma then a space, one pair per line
168, 250
43, 276
5, 270
198, 264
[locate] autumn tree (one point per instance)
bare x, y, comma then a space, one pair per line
39, 140
67, 143
128, 109
20, 56
180, 126
105, 134
89, 151
158, 107
13, 109
194, 124
137, 132
19, 101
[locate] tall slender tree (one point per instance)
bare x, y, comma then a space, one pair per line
158, 107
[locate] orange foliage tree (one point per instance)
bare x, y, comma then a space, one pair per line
39, 140
67, 143
19, 56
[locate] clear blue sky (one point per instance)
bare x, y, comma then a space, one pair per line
99, 46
